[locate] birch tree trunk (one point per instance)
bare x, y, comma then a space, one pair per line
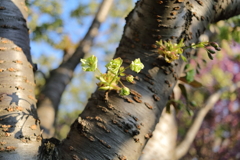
20, 133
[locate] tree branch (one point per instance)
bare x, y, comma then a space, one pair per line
116, 127
59, 78
184, 146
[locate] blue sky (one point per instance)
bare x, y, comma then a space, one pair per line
76, 32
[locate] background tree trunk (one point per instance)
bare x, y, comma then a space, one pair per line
59, 78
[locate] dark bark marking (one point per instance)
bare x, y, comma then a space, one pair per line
175, 76
148, 136
168, 83
9, 27
102, 126
12, 109
118, 115
89, 137
3, 48
174, 13
151, 89
104, 143
137, 78
156, 30
99, 119
127, 61
166, 72
12, 69
136, 139
149, 76
157, 37
71, 148
154, 46
156, 98
18, 61
127, 99
110, 106
148, 105
135, 118
75, 157
180, 1
89, 118
176, 8
148, 80
122, 157
135, 98
200, 2
171, 17
159, 2
135, 93
17, 49
10, 148
104, 109
138, 126
164, 26
82, 125
2, 8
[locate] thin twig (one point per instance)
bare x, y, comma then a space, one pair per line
184, 146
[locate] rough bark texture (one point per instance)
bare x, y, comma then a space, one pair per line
111, 127
59, 78
163, 143
114, 127
20, 133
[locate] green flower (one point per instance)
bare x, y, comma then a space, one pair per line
114, 65
170, 51
108, 81
136, 65
89, 64
130, 78
124, 91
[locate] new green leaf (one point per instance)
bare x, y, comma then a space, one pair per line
124, 91
114, 65
89, 64
136, 65
190, 75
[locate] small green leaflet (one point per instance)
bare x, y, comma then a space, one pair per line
124, 91
190, 75
136, 65
89, 64
114, 65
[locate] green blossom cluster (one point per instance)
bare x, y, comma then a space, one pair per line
110, 80
172, 51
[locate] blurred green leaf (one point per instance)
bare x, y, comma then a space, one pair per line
190, 75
